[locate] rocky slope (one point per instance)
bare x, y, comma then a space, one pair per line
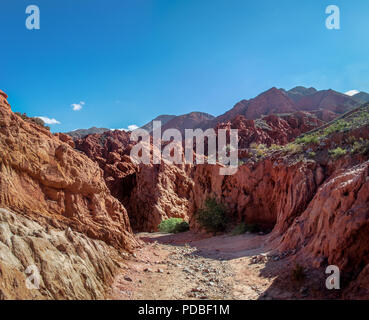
361, 97
46, 184
271, 129
65, 264
187, 121
314, 194
163, 119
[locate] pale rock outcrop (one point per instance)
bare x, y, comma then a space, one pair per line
65, 264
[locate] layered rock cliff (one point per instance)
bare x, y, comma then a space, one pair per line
55, 204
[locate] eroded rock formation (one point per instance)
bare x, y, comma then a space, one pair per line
271, 129
41, 176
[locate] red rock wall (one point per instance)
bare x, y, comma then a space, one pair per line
46, 178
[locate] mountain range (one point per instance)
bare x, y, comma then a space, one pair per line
325, 105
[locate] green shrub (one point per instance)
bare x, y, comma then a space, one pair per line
338, 152
243, 228
181, 227
312, 154
360, 146
213, 216
173, 225
239, 229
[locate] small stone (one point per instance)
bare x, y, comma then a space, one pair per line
61, 248
147, 270
160, 270
127, 279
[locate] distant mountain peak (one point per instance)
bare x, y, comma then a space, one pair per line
81, 133
361, 97
299, 92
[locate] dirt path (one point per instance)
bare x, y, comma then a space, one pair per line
193, 266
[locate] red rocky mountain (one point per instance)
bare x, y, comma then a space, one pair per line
271, 129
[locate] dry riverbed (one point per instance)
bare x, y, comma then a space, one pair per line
196, 266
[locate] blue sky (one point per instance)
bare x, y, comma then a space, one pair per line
131, 60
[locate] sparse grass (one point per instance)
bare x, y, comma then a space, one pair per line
275, 147
307, 139
338, 126
212, 216
260, 150
173, 225
338, 152
293, 148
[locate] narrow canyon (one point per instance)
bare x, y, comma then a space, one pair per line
87, 217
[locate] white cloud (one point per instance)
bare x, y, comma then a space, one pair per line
48, 120
130, 128
351, 92
78, 106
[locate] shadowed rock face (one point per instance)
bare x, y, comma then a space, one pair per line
45, 178
111, 151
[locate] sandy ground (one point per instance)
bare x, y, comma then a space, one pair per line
196, 266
